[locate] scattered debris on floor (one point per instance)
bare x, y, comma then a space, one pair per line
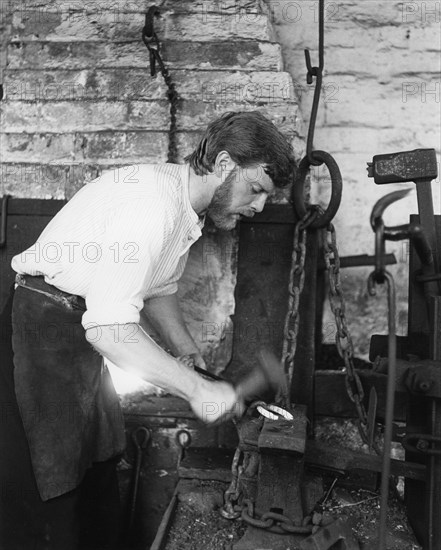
361, 508
197, 528
198, 524
210, 531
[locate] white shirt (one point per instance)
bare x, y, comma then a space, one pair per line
123, 238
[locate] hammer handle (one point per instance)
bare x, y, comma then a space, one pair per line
251, 386
208, 374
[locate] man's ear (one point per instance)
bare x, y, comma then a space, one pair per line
223, 164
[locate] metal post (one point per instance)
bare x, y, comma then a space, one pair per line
391, 376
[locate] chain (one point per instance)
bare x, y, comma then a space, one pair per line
244, 467
151, 41
232, 494
343, 338
173, 99
295, 288
279, 523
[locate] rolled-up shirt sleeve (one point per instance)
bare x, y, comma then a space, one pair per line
128, 256
164, 290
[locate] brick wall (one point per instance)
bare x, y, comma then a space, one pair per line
381, 93
78, 98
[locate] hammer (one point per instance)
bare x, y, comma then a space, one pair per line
419, 166
267, 376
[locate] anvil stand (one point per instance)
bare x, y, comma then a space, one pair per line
281, 486
282, 448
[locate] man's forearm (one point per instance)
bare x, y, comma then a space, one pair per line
165, 315
131, 349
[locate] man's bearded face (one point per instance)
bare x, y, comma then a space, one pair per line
220, 207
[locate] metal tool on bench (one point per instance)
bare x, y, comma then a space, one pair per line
418, 166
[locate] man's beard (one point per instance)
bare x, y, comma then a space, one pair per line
218, 209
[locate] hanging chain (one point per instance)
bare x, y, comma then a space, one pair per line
150, 39
295, 288
173, 99
343, 338
231, 510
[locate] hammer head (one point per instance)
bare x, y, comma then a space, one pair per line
416, 165
267, 377
272, 369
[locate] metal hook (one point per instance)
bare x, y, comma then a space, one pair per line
141, 443
317, 72
312, 71
381, 205
183, 437
382, 233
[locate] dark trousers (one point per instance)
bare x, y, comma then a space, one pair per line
85, 518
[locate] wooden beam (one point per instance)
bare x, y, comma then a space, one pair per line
331, 398
196, 463
339, 458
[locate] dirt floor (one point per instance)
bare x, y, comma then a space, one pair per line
361, 508
209, 531
195, 529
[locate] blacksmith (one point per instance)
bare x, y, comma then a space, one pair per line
109, 259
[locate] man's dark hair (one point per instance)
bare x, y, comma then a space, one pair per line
250, 139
